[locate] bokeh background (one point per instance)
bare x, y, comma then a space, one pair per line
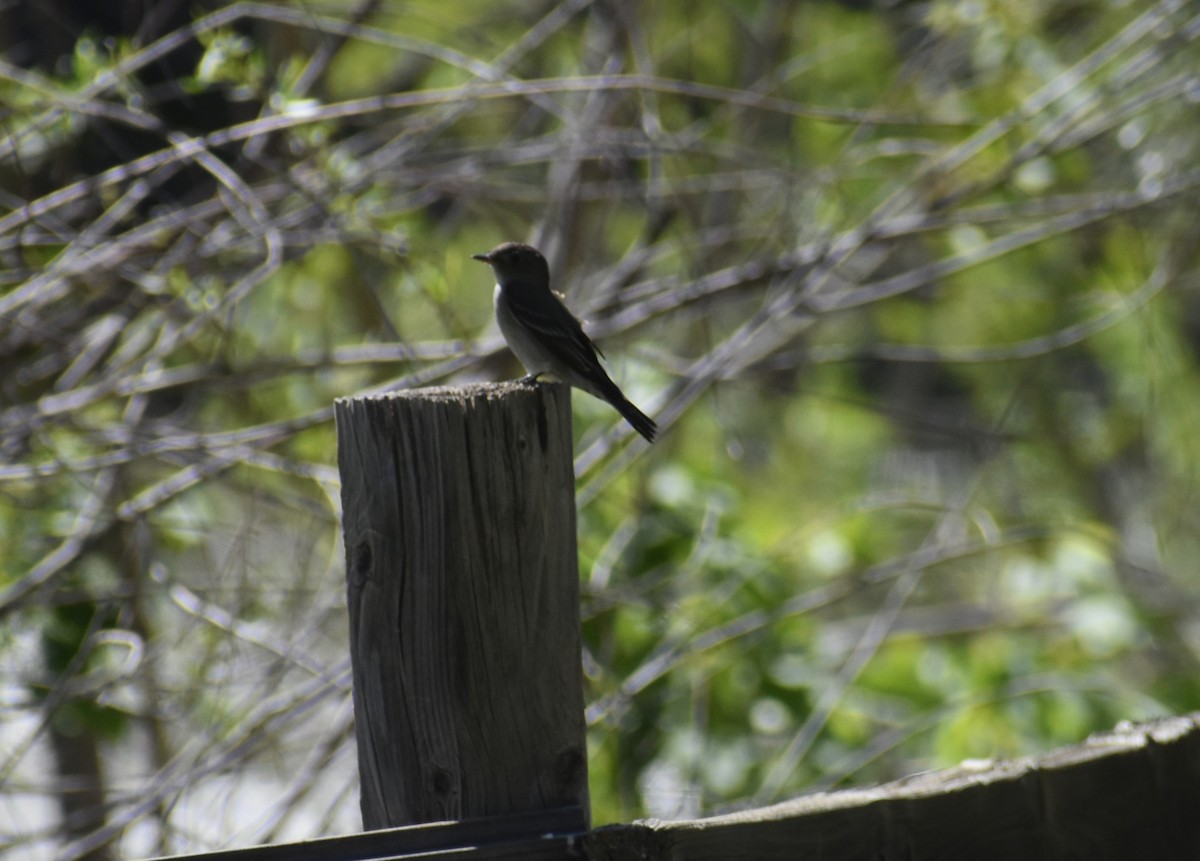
911, 288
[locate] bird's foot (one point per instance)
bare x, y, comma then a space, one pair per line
530, 379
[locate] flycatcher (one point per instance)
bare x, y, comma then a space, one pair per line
543, 333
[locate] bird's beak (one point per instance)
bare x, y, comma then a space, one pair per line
485, 258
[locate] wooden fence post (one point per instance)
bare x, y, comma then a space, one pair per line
463, 591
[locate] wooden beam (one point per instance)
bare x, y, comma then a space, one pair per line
1130, 793
545, 835
463, 591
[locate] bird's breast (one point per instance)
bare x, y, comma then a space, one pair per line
521, 340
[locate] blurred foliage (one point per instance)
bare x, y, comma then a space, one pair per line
911, 289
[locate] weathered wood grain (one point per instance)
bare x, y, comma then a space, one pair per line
463, 592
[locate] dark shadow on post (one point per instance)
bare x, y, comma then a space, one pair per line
463, 591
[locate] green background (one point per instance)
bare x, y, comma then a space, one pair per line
911, 290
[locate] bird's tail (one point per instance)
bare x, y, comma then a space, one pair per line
641, 422
604, 388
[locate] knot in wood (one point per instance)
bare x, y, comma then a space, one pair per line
442, 781
360, 569
570, 769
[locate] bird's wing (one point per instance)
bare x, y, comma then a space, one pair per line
541, 311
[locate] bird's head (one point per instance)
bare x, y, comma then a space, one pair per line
516, 261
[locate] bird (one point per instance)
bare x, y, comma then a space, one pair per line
545, 336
